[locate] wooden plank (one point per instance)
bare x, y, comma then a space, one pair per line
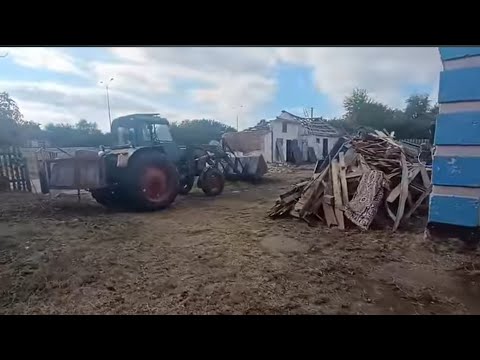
396, 192
10, 169
329, 214
343, 179
410, 199
23, 169
425, 178
328, 199
417, 203
310, 195
318, 201
403, 192
337, 193
327, 206
18, 168
354, 174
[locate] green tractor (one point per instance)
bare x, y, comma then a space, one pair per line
145, 170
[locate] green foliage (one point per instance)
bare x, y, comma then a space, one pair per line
83, 133
197, 132
10, 120
411, 122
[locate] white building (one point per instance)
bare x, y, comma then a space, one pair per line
288, 138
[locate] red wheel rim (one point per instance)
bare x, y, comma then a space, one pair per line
155, 185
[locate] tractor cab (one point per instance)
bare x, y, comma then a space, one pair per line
139, 130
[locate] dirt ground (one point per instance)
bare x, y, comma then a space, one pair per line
220, 256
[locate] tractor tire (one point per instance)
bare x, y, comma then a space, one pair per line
186, 184
110, 198
212, 182
153, 182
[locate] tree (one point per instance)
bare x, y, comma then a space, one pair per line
362, 111
197, 132
418, 115
10, 120
411, 122
83, 133
356, 102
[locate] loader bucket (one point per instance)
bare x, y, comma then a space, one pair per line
247, 167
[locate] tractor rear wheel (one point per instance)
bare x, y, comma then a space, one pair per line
153, 182
212, 182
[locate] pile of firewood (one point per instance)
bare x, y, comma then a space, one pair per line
364, 178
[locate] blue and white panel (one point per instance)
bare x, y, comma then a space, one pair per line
455, 196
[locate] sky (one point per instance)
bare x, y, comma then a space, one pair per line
62, 85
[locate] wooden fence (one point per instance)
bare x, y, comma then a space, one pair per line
13, 170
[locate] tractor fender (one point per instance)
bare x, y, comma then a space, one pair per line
132, 156
126, 156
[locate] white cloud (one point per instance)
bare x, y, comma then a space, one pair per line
383, 71
53, 59
212, 82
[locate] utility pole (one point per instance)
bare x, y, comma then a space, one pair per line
239, 107
108, 100
311, 111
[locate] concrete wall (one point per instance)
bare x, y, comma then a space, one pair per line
267, 147
455, 197
293, 133
318, 147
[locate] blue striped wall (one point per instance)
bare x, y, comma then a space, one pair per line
457, 52
456, 164
459, 85
458, 128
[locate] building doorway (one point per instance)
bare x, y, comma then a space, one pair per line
325, 148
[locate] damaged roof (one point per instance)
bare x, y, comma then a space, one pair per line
315, 126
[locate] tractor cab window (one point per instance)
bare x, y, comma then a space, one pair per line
126, 135
159, 132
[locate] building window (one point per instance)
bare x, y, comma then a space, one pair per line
318, 140
284, 127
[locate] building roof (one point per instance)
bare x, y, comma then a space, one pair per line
262, 125
315, 126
